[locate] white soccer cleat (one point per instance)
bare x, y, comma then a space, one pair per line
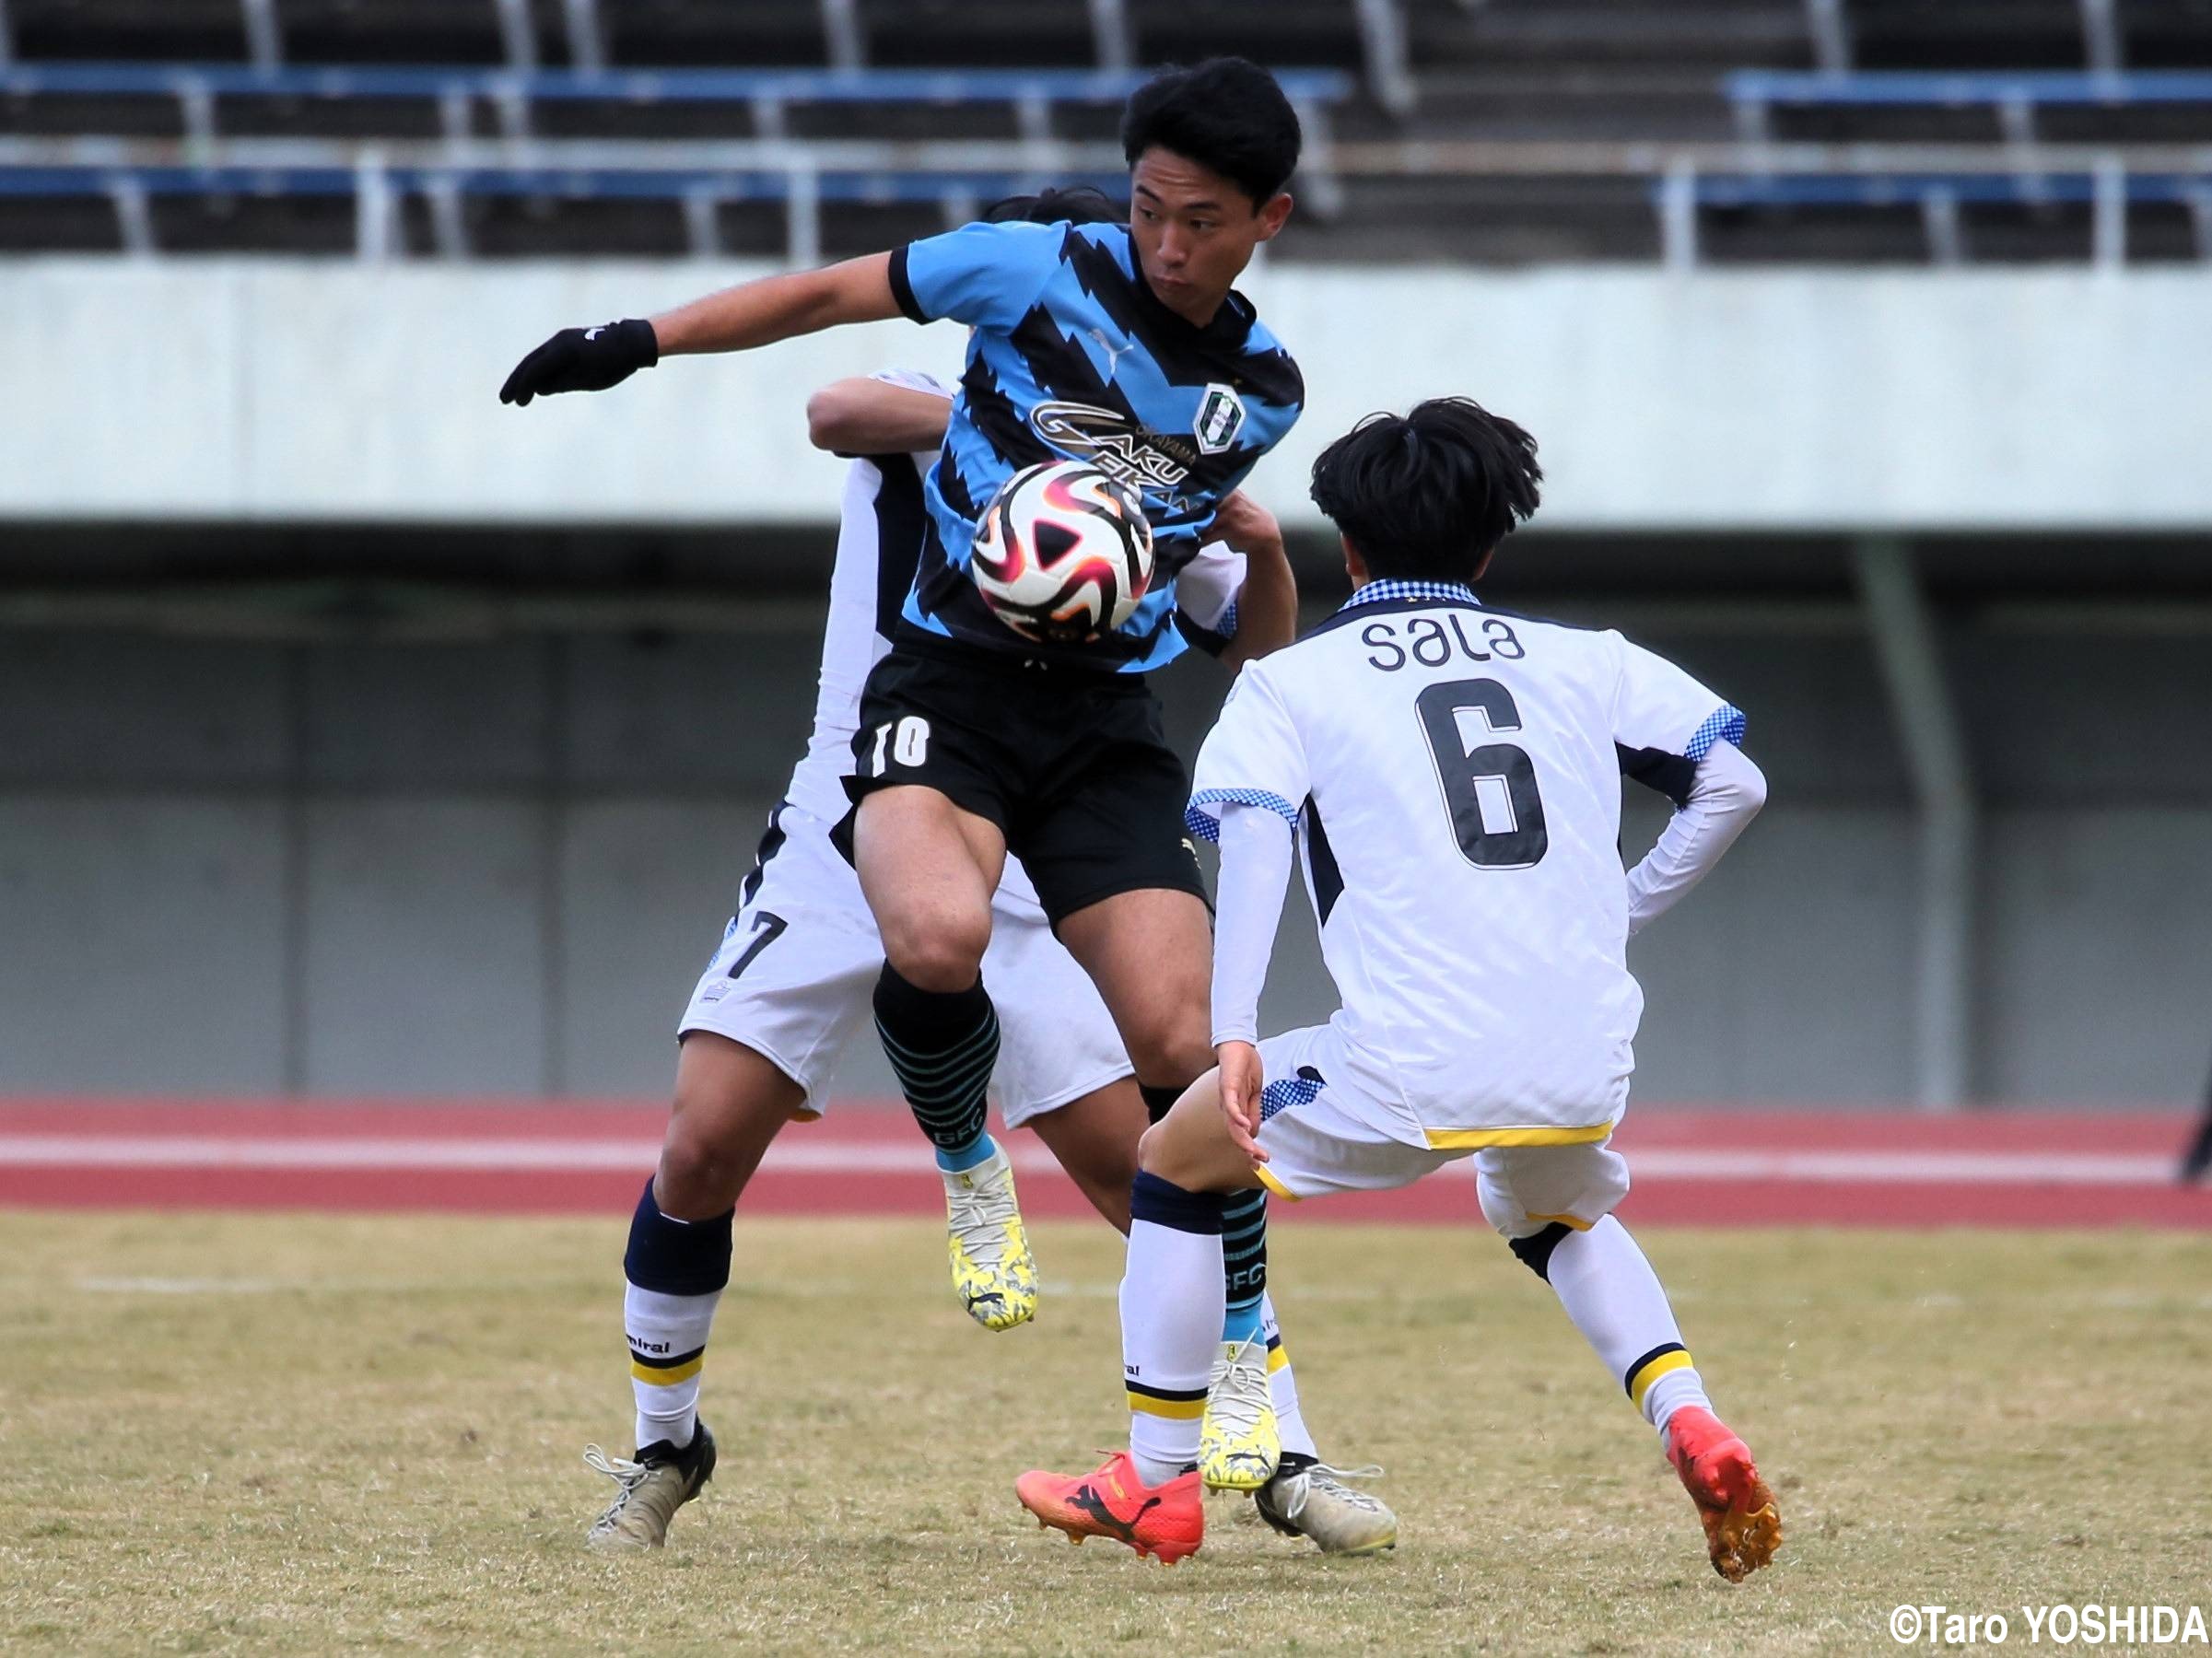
647, 1492
993, 1272
1238, 1445
1309, 1499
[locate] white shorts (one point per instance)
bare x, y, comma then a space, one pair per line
794, 980
1323, 1133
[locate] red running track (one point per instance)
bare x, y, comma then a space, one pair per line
1693, 1167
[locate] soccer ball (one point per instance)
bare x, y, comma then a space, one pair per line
1063, 552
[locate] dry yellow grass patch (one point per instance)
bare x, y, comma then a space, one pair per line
305, 1434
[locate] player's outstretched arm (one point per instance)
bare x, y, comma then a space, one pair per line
736, 318
1725, 796
781, 308
867, 417
1266, 604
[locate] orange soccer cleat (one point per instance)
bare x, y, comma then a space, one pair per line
1743, 1528
1167, 1521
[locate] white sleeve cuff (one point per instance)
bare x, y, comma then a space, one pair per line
1256, 847
1725, 796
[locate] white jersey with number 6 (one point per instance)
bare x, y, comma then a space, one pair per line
1453, 776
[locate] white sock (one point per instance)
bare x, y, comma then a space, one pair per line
668, 1349
1616, 1301
1172, 1303
1283, 1386
1669, 1392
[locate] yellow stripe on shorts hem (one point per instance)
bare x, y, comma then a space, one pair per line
1273, 1184
670, 1377
1475, 1140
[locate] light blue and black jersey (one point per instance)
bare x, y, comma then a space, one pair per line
1072, 356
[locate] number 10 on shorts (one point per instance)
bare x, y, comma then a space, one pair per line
906, 741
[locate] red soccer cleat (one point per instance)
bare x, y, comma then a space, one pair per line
1743, 1528
1167, 1521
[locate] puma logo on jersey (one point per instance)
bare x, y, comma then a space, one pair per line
1113, 353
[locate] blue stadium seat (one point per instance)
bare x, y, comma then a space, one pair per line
1890, 190
2015, 99
618, 86
1766, 87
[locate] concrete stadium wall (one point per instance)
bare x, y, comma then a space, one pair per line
497, 867
1863, 400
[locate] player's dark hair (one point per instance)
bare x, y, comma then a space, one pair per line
1428, 495
1227, 115
1072, 205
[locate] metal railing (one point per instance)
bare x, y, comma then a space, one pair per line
2014, 97
1683, 180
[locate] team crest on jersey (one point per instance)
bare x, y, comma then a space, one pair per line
1116, 445
1221, 417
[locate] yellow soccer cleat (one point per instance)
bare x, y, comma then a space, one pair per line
993, 1272
1239, 1448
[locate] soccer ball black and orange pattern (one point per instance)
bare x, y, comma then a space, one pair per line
1063, 552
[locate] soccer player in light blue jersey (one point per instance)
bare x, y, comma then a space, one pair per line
1125, 347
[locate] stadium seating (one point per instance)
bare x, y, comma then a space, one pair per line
2063, 106
1503, 131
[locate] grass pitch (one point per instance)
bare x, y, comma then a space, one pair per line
304, 1434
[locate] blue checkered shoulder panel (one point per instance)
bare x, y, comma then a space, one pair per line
1206, 824
1725, 723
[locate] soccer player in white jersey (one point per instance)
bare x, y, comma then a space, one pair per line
790, 988
1453, 778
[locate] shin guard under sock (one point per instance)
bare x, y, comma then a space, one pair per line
677, 1272
942, 1046
1171, 1321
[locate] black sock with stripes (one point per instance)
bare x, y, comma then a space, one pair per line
1245, 1264
942, 1046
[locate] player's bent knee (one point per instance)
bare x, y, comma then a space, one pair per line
1170, 1054
937, 950
1151, 1149
1167, 1154
697, 1177
1190, 1147
730, 1102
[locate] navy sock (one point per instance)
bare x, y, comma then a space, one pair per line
676, 1270
676, 1257
1167, 1204
942, 1046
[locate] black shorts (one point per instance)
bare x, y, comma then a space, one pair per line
1071, 763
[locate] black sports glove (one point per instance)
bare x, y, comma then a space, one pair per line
583, 359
